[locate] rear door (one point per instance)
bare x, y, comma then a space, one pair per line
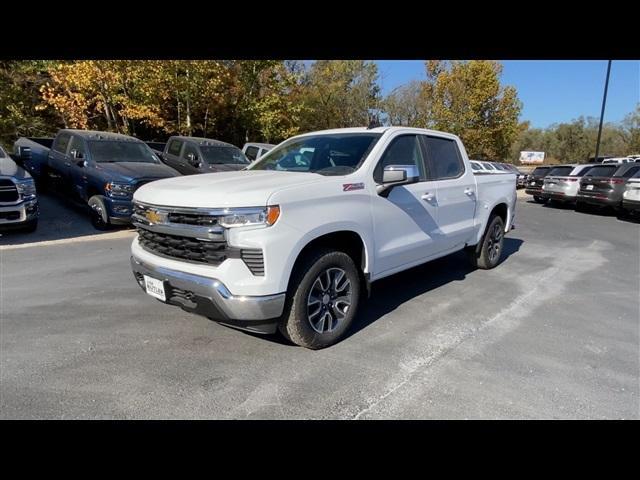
77, 171
456, 185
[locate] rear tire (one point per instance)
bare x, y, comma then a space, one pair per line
98, 213
322, 300
491, 245
538, 199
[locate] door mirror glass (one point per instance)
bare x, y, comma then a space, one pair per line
395, 175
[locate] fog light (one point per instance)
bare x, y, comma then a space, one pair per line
121, 210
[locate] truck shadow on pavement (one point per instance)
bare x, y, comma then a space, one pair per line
391, 292
58, 220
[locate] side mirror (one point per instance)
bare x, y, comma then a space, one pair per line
24, 153
192, 158
395, 175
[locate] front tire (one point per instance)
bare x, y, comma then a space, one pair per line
30, 226
490, 252
98, 212
322, 301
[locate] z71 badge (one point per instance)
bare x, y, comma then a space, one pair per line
347, 187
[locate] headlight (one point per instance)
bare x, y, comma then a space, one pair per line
242, 217
121, 190
26, 188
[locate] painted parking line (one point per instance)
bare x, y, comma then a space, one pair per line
63, 241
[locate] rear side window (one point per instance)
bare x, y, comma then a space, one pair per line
403, 150
602, 171
61, 143
174, 147
251, 153
629, 173
444, 157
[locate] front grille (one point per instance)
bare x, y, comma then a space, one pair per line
193, 219
8, 191
15, 215
254, 260
185, 248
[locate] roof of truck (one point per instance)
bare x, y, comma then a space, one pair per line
202, 141
98, 135
260, 145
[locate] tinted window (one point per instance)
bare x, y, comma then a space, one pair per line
174, 147
188, 148
61, 143
540, 171
601, 171
581, 172
224, 155
444, 157
252, 153
629, 173
339, 154
561, 171
78, 144
403, 150
112, 151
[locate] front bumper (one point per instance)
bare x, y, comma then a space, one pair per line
211, 298
119, 211
17, 215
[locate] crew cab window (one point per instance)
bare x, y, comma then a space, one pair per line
188, 148
403, 150
252, 153
78, 145
174, 147
61, 143
444, 157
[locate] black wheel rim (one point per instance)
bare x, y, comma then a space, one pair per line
329, 300
494, 243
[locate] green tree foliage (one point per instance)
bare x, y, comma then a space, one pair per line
339, 93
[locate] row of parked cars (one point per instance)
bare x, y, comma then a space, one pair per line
101, 170
614, 185
482, 166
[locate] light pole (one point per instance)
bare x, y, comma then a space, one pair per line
604, 102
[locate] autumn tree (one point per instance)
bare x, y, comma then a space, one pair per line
406, 105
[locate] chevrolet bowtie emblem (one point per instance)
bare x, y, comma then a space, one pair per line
154, 217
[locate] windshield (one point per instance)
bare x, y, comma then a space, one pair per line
223, 155
540, 171
601, 171
339, 154
114, 151
561, 171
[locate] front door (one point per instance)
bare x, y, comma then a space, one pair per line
406, 221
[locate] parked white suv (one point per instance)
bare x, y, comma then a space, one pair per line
293, 242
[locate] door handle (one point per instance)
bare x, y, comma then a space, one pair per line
428, 196
468, 191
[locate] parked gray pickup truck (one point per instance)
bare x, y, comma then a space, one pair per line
189, 155
18, 201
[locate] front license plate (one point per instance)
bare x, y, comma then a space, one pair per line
155, 288
589, 187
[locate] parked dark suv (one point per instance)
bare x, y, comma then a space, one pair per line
535, 180
189, 155
604, 185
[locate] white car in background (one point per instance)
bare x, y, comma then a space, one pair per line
618, 160
631, 195
563, 182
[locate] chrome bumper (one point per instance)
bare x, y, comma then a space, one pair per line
26, 210
211, 298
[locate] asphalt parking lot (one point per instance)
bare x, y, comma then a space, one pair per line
553, 332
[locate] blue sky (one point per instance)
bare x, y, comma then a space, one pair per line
551, 91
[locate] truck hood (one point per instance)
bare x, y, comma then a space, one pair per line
245, 188
130, 171
9, 168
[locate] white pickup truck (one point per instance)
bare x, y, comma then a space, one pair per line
293, 242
